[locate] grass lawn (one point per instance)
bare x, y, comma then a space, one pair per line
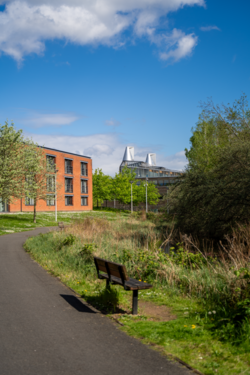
189, 336
19, 222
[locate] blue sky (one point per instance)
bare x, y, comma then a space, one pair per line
92, 76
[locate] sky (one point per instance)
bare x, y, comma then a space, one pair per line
94, 76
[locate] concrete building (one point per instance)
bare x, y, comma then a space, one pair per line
157, 175
74, 178
160, 176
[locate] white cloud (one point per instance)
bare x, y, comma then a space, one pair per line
112, 122
106, 150
209, 28
50, 119
178, 45
26, 25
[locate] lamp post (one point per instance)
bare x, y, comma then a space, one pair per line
146, 193
131, 196
56, 170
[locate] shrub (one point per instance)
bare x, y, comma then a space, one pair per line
67, 241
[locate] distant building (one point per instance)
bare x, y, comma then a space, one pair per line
160, 176
74, 176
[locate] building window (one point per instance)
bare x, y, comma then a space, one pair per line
68, 166
50, 200
84, 169
68, 185
84, 186
51, 163
68, 200
51, 183
84, 201
29, 201
3, 206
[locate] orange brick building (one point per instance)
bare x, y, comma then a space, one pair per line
74, 181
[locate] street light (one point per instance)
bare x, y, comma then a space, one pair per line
131, 196
146, 193
56, 170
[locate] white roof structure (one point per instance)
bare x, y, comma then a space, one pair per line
129, 154
151, 159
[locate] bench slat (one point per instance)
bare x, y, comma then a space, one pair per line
115, 269
131, 284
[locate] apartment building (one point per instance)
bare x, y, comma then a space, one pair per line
72, 182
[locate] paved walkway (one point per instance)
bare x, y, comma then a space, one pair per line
46, 330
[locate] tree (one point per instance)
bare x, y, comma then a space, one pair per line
121, 185
12, 166
101, 187
37, 174
152, 193
213, 194
210, 203
217, 128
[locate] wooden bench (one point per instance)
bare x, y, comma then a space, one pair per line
115, 273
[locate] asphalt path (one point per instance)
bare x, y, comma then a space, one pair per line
45, 329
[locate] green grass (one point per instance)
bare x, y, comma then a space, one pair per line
19, 222
190, 337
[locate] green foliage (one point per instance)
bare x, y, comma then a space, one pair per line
36, 174
87, 252
211, 299
12, 163
67, 241
210, 203
218, 127
121, 185
184, 258
119, 188
101, 187
109, 297
212, 195
111, 209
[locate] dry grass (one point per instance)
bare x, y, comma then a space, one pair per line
217, 280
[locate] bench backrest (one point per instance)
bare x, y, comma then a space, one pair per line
111, 268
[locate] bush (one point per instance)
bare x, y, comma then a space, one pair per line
67, 241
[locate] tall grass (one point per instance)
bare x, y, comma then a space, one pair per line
220, 280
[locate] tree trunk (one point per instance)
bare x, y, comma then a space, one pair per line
35, 210
97, 203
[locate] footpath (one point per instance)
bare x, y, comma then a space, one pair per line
45, 329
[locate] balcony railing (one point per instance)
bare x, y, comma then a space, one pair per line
68, 169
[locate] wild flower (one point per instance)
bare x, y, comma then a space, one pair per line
193, 326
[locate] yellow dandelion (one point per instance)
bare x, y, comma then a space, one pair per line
193, 326
85, 290
140, 280
185, 326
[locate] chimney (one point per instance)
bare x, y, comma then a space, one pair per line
129, 154
151, 159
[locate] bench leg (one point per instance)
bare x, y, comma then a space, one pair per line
107, 284
135, 302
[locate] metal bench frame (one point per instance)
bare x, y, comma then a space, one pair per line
115, 273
